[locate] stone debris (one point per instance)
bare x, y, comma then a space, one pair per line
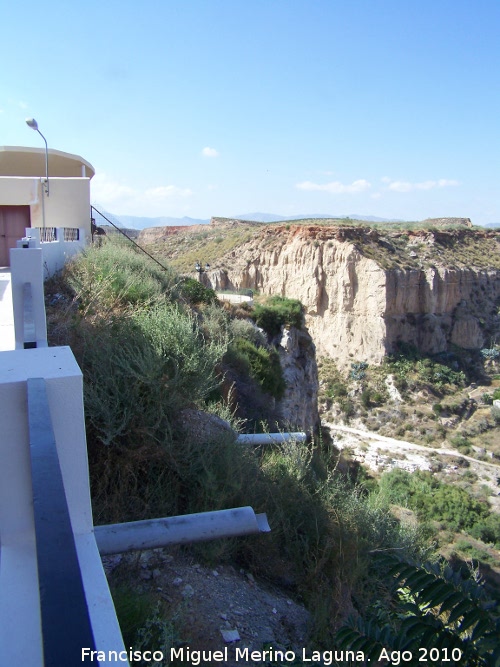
187, 591
252, 614
230, 635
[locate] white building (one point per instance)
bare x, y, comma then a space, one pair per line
61, 214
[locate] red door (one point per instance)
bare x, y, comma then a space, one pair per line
13, 222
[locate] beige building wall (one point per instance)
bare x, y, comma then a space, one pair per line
18, 191
68, 203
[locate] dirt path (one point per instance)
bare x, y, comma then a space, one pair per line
398, 445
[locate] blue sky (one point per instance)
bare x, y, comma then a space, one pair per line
219, 107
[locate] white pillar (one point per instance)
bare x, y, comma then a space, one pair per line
26, 266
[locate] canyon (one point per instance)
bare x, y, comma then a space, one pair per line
365, 292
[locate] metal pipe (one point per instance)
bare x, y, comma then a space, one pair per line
46, 163
153, 533
269, 438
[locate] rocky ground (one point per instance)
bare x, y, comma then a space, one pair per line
213, 607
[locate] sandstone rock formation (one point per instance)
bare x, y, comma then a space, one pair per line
358, 304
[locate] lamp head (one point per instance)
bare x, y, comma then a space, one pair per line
31, 122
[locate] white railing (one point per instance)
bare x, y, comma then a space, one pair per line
58, 244
41, 435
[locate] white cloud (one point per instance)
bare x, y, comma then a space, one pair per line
115, 195
107, 191
17, 103
375, 195
167, 191
335, 187
210, 152
406, 186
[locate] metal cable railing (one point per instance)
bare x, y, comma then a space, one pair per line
93, 208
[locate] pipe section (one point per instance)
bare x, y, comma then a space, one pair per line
269, 438
153, 533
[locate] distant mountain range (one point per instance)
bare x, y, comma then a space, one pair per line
137, 222
270, 217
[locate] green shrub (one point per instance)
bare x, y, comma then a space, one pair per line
336, 390
114, 273
262, 364
366, 398
433, 500
140, 369
488, 530
495, 414
461, 442
278, 311
195, 292
347, 406
144, 622
414, 370
245, 328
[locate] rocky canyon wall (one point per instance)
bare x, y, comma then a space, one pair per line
357, 309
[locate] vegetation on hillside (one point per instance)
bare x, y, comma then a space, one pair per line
148, 345
434, 405
185, 249
404, 246
433, 500
427, 613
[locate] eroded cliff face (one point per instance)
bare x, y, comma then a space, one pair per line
437, 307
355, 307
299, 405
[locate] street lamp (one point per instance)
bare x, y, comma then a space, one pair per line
31, 122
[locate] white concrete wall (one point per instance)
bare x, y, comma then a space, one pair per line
20, 635
56, 253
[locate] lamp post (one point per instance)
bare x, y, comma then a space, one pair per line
200, 269
31, 122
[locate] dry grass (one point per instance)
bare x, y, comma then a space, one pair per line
403, 246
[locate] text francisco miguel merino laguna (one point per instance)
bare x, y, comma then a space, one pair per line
200, 657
